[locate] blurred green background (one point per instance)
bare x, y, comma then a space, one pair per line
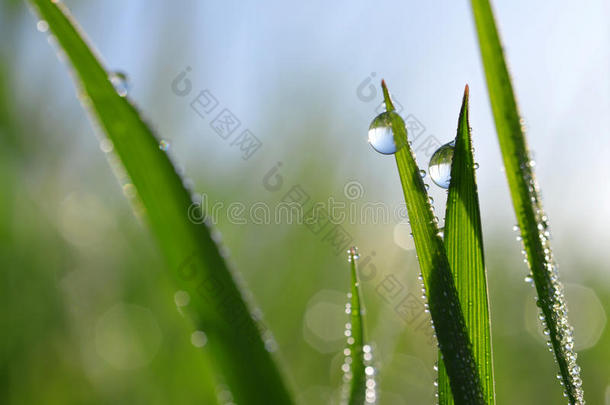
87, 310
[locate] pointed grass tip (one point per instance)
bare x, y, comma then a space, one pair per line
352, 254
386, 96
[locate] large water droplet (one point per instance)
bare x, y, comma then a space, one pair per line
440, 165
119, 81
381, 135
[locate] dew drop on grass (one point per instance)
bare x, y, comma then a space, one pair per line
352, 252
42, 26
199, 338
119, 81
181, 298
164, 145
440, 165
381, 135
106, 145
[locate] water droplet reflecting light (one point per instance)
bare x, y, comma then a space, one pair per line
440, 165
381, 135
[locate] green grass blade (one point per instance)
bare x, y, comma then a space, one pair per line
464, 245
354, 368
234, 342
524, 190
443, 301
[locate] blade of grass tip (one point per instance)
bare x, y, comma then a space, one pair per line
531, 219
234, 342
445, 310
463, 239
357, 371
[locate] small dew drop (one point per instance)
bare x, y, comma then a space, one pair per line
164, 145
129, 190
119, 81
199, 338
106, 145
181, 298
352, 252
42, 26
381, 135
440, 165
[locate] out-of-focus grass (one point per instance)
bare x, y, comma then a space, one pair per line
238, 349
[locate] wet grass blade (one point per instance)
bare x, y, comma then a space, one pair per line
464, 245
234, 341
533, 223
449, 323
354, 368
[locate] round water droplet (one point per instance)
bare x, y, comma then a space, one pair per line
42, 26
106, 145
199, 338
440, 165
164, 145
182, 298
119, 81
381, 135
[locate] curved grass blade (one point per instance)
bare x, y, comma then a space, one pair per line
443, 301
532, 220
357, 354
234, 342
463, 239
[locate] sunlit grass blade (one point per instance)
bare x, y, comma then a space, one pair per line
442, 295
464, 245
533, 223
234, 341
355, 390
